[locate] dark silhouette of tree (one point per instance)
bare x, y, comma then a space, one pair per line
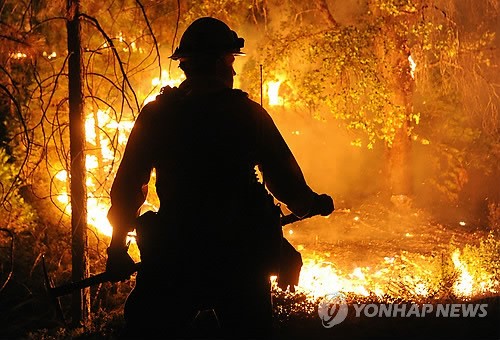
81, 299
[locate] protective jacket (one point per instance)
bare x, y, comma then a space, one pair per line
205, 140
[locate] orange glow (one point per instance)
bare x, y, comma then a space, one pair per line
319, 275
273, 91
100, 157
391, 278
413, 66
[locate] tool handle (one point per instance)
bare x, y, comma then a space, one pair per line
87, 282
70, 287
104, 276
290, 218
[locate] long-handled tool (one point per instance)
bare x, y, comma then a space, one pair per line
87, 282
55, 292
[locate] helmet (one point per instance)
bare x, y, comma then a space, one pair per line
208, 36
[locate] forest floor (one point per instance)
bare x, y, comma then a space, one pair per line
376, 255
406, 257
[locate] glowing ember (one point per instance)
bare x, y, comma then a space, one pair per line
18, 55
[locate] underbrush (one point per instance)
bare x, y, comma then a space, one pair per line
28, 313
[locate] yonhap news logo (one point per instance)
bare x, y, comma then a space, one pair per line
333, 309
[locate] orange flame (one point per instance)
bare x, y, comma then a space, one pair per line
318, 276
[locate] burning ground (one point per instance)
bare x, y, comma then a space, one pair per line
370, 253
395, 255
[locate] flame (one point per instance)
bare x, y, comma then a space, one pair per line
18, 55
395, 277
273, 91
413, 66
99, 126
97, 203
320, 275
163, 80
464, 285
320, 278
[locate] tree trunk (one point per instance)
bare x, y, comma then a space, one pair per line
399, 164
396, 69
399, 153
324, 11
80, 306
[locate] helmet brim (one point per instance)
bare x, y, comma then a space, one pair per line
180, 55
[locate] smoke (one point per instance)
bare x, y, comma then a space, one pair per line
328, 160
347, 12
448, 178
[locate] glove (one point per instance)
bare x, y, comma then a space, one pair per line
119, 266
322, 205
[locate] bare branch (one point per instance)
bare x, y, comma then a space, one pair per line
95, 22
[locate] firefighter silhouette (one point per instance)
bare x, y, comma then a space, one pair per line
208, 253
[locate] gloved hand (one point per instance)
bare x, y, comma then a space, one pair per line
322, 205
119, 266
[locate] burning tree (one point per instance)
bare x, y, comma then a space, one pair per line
375, 67
396, 75
57, 155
